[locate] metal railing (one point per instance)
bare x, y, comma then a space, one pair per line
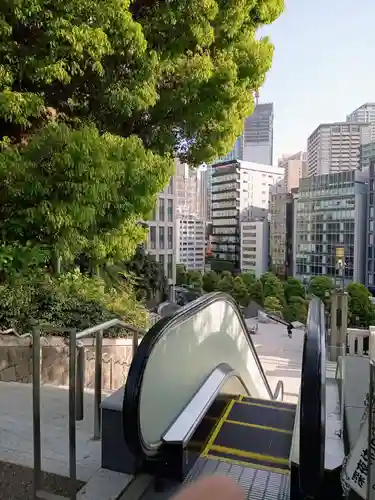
76, 378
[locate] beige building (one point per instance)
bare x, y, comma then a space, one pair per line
294, 167
334, 147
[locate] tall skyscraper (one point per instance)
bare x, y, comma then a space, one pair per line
256, 142
334, 147
258, 135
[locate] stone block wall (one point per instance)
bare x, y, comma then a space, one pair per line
16, 361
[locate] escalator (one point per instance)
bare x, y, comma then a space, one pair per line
254, 433
197, 402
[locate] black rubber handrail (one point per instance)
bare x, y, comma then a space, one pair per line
313, 403
132, 393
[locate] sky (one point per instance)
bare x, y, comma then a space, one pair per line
323, 66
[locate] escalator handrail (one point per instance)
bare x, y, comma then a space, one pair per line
312, 404
132, 393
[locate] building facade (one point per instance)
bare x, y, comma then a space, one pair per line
330, 219
191, 244
240, 192
256, 142
254, 246
278, 227
161, 241
370, 258
365, 114
294, 166
367, 153
334, 147
191, 191
258, 135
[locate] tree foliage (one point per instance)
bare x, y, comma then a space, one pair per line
96, 98
272, 286
209, 281
293, 288
273, 305
361, 309
296, 310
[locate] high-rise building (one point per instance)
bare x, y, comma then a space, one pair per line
191, 243
364, 114
330, 225
258, 135
240, 192
161, 242
256, 142
191, 212
191, 191
334, 147
367, 153
254, 246
294, 166
279, 197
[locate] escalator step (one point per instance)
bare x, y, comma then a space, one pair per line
248, 462
243, 412
252, 442
281, 405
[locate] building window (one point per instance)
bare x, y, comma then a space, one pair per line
161, 237
170, 237
153, 237
161, 209
170, 210
161, 261
170, 266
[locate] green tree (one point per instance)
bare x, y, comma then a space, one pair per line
293, 288
248, 279
273, 305
240, 292
256, 292
296, 310
272, 286
96, 99
181, 275
210, 280
321, 286
225, 284
361, 309
194, 279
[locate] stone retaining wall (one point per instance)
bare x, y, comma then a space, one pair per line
16, 361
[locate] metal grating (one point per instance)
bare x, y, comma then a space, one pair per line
257, 484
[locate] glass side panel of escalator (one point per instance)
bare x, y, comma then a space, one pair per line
185, 355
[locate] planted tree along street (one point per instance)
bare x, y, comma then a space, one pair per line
96, 101
287, 298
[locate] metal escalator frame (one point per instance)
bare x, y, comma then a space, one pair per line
132, 393
183, 427
313, 403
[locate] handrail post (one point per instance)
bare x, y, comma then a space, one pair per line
98, 383
134, 343
72, 414
81, 355
36, 413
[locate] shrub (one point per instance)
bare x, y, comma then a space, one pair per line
71, 300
